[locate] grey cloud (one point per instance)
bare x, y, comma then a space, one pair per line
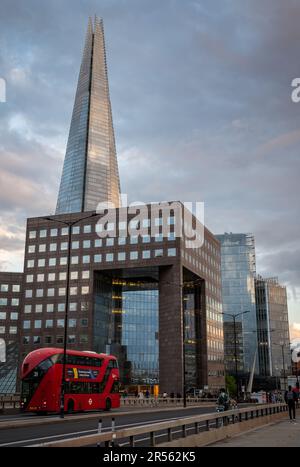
201, 104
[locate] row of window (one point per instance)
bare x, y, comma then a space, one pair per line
61, 291
61, 276
193, 260
216, 358
75, 387
13, 316
216, 373
110, 241
11, 330
60, 307
215, 345
215, 331
108, 257
83, 339
59, 323
10, 287
209, 247
110, 226
13, 301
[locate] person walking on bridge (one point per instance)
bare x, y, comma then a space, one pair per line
290, 399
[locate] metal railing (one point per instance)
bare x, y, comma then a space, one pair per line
9, 402
162, 401
155, 433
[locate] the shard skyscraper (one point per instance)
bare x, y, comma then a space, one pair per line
90, 172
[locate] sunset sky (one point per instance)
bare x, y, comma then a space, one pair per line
202, 109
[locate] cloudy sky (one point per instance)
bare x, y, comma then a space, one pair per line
201, 98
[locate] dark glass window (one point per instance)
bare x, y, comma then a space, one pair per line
79, 360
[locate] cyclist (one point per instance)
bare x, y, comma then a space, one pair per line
223, 400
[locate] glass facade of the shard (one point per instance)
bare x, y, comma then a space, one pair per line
90, 172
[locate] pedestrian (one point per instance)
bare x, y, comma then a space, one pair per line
147, 394
290, 398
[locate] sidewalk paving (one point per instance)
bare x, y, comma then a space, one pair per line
281, 434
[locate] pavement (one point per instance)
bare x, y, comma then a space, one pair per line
282, 434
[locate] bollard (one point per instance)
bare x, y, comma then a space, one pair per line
99, 430
113, 429
100, 425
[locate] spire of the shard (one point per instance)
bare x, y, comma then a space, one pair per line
90, 173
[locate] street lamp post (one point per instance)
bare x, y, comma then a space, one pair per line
283, 363
234, 317
70, 225
183, 362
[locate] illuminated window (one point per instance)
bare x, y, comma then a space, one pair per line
134, 255
39, 308
158, 253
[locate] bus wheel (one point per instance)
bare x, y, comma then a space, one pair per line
70, 408
107, 404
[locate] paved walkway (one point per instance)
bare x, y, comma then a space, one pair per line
281, 434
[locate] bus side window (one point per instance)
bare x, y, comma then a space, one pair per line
112, 364
115, 387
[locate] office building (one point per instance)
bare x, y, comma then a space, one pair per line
10, 306
273, 328
131, 295
238, 294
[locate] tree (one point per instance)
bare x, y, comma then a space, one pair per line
230, 385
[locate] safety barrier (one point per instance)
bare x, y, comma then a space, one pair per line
183, 431
163, 401
9, 402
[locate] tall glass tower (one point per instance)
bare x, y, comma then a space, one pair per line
90, 172
238, 263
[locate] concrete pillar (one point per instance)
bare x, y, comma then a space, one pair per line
170, 330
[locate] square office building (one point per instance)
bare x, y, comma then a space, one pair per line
142, 283
10, 306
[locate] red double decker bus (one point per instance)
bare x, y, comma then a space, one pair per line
91, 381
